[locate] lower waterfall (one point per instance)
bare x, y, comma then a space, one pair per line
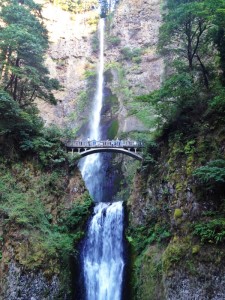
103, 261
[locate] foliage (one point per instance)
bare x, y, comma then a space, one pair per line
24, 199
15, 121
23, 77
23, 45
148, 274
76, 6
142, 236
217, 103
113, 129
211, 231
187, 33
212, 173
113, 40
131, 53
77, 214
172, 103
190, 32
178, 213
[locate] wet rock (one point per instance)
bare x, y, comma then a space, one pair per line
21, 285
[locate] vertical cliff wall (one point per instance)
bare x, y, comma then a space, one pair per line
131, 56
70, 56
132, 65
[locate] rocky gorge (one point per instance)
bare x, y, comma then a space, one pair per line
174, 216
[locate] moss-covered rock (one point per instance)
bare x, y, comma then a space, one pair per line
42, 218
178, 213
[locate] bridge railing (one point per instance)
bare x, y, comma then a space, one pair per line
107, 143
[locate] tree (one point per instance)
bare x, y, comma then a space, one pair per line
15, 122
23, 44
187, 34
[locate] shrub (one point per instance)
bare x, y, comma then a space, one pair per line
142, 236
212, 231
113, 40
213, 173
130, 54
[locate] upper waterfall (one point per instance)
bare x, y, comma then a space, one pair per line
90, 166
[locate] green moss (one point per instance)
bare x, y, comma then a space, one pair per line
190, 165
28, 200
195, 249
113, 129
148, 275
174, 254
179, 186
178, 213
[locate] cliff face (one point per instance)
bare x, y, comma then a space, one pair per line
69, 57
42, 214
175, 221
131, 63
132, 36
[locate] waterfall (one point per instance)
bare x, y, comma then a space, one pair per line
102, 253
91, 165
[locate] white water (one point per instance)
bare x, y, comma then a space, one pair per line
103, 253
103, 248
91, 165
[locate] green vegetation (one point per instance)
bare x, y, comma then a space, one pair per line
121, 88
190, 33
174, 254
212, 174
131, 53
211, 231
184, 161
39, 218
148, 272
178, 213
27, 203
113, 129
113, 40
23, 77
142, 236
76, 6
23, 45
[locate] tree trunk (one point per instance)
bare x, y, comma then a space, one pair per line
204, 72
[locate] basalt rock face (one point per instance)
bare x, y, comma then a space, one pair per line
131, 56
73, 55
30, 285
69, 56
165, 207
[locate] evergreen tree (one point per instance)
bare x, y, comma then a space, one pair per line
23, 44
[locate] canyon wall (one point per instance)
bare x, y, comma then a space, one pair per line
72, 59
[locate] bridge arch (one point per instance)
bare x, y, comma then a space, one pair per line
115, 150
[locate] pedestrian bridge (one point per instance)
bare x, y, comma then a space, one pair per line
127, 147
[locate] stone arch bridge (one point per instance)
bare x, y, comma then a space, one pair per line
127, 147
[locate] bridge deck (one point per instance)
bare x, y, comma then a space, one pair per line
104, 144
